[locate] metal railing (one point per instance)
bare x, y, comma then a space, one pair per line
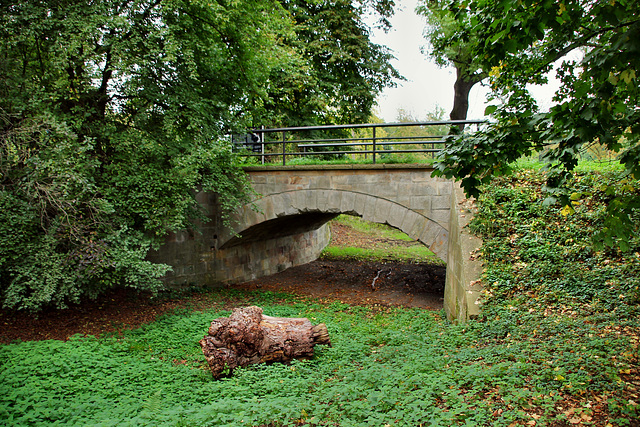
363, 140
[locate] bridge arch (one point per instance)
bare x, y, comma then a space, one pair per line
297, 211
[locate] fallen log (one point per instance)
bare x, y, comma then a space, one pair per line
248, 337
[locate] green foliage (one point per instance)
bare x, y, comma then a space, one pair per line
395, 366
343, 71
595, 46
408, 254
371, 228
112, 118
554, 259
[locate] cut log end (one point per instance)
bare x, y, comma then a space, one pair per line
320, 335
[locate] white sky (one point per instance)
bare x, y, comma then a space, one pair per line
427, 85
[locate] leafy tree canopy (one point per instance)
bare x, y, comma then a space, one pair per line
596, 48
114, 113
340, 72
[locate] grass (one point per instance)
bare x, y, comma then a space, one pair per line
384, 250
412, 254
585, 165
556, 345
372, 228
398, 158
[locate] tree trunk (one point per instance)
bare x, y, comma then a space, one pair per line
461, 89
247, 337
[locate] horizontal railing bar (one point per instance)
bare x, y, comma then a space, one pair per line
368, 125
391, 138
369, 138
335, 145
319, 153
378, 142
295, 141
440, 141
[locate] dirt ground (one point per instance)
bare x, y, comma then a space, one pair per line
408, 285
353, 282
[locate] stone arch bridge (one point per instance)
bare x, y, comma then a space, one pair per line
286, 224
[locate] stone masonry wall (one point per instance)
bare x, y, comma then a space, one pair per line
462, 288
197, 260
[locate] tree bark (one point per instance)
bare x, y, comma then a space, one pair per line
461, 89
248, 337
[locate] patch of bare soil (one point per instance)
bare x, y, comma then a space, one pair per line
361, 283
116, 310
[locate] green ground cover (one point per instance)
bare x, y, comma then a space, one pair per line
384, 249
356, 159
556, 345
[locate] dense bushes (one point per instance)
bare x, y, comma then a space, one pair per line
72, 225
111, 118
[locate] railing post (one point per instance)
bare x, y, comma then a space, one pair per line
373, 140
284, 147
262, 144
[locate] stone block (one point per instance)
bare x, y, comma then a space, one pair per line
322, 182
251, 216
298, 199
441, 202
396, 215
429, 233
360, 203
439, 245
419, 228
421, 203
323, 199
410, 221
421, 177
382, 210
347, 202
258, 179
297, 182
334, 202
441, 217
369, 209
288, 205
267, 208
277, 204
444, 187
311, 200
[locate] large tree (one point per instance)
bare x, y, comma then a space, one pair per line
446, 46
340, 71
595, 46
112, 116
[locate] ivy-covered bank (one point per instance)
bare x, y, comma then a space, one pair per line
556, 345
